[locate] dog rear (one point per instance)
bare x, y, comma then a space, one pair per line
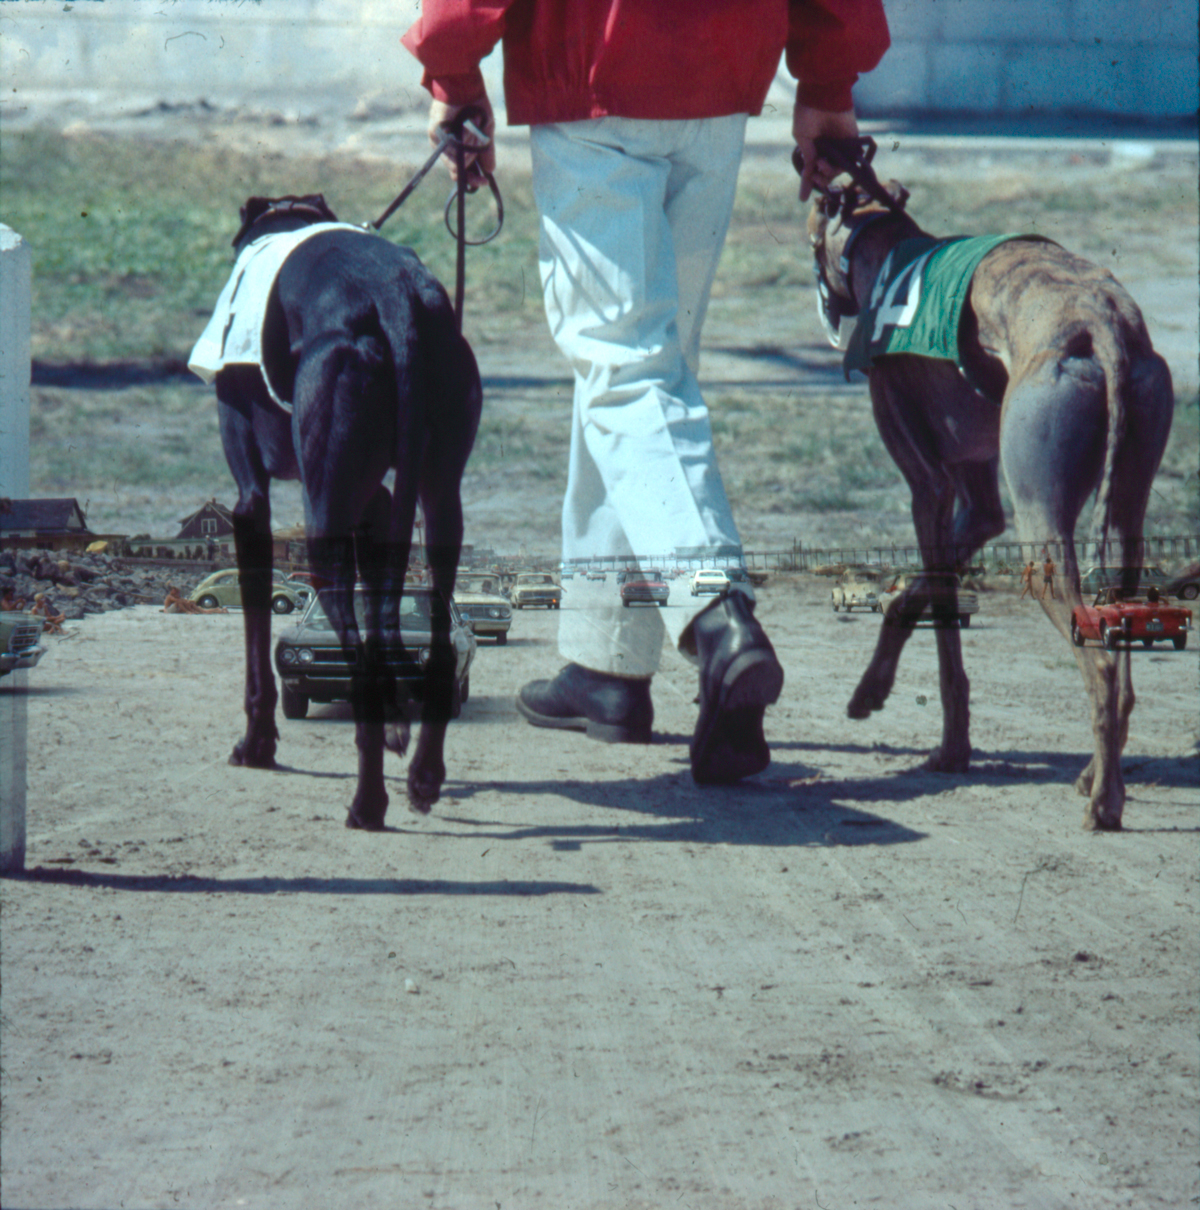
361, 340
1057, 383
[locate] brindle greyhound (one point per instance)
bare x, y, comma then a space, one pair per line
1071, 399
362, 339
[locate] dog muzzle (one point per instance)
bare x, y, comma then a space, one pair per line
837, 315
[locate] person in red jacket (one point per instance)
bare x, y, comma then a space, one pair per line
638, 111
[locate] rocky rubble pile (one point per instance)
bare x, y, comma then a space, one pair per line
80, 584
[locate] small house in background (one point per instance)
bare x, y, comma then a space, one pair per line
211, 521
55, 524
205, 535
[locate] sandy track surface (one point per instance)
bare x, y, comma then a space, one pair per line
584, 981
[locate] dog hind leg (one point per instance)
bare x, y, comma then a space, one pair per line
343, 435
1052, 451
236, 390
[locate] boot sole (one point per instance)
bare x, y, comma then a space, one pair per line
729, 743
606, 733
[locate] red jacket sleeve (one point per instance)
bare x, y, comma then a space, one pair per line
450, 39
830, 44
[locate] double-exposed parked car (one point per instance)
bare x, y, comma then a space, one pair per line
314, 666
858, 588
1185, 584
19, 645
482, 606
709, 581
645, 588
1096, 578
536, 588
223, 588
1114, 619
942, 582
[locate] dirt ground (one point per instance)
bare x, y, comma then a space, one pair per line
584, 982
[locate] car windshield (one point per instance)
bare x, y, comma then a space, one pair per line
414, 610
478, 584
535, 579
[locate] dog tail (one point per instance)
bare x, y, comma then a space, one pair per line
1112, 353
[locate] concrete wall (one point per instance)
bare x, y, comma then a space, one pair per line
1133, 57
14, 482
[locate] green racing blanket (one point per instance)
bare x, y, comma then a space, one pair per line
917, 300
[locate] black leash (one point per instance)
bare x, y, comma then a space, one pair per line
853, 157
454, 137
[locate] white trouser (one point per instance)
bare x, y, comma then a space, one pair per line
633, 218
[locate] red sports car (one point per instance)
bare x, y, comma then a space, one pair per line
1113, 619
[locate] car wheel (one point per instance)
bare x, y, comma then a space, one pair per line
502, 638
964, 620
1189, 592
625, 604
1108, 637
465, 690
208, 601
662, 604
835, 605
295, 703
1180, 641
282, 605
456, 700
1076, 634
1147, 643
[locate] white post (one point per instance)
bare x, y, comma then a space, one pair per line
15, 282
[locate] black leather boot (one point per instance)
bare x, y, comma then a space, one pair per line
615, 709
740, 676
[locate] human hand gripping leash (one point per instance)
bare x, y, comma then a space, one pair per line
852, 157
464, 123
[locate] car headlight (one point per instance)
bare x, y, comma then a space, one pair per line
287, 655
304, 655
423, 656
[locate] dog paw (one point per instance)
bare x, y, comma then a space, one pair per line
942, 761
367, 811
866, 700
396, 737
253, 754
1103, 816
425, 787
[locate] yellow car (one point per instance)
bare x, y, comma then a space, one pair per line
224, 588
478, 598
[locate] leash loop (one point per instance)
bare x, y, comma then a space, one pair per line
454, 138
487, 239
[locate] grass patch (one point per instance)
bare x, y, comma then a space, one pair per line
131, 245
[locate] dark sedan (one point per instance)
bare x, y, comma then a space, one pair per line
315, 667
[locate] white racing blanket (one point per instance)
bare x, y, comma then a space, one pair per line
234, 333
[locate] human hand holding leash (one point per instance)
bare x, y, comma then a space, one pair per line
808, 125
442, 118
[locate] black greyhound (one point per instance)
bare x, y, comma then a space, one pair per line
362, 340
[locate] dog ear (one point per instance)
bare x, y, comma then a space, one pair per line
317, 202
254, 209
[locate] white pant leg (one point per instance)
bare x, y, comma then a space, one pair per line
634, 216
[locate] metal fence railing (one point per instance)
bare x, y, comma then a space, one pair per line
995, 556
